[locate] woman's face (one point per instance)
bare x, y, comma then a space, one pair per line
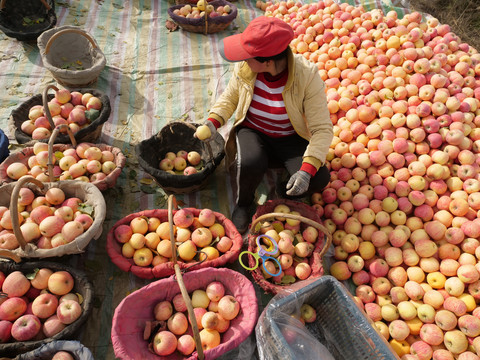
257, 66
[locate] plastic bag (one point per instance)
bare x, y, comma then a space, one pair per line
298, 342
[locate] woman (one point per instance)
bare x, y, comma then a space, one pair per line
281, 114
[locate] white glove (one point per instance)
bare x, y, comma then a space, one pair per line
298, 183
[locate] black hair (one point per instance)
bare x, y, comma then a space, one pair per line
282, 55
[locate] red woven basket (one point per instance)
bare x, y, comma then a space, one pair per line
114, 248
137, 308
308, 217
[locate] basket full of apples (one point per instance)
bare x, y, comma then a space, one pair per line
52, 219
153, 321
161, 157
301, 238
42, 302
140, 242
204, 16
84, 111
99, 164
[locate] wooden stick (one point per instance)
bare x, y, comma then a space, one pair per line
183, 289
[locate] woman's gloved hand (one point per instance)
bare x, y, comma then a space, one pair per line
206, 131
298, 183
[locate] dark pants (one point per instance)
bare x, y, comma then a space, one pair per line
257, 152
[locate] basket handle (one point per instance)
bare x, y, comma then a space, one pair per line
178, 273
51, 141
65, 31
44, 2
45, 104
14, 206
307, 221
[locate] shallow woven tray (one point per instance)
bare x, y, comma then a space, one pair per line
205, 25
308, 217
14, 11
90, 133
82, 285
173, 137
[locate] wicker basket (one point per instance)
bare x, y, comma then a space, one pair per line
340, 324
82, 286
41, 13
114, 248
79, 48
90, 133
206, 25
308, 217
46, 351
84, 191
177, 136
25, 154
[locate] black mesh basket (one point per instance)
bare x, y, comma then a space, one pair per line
25, 20
174, 137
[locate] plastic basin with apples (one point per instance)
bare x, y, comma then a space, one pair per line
138, 308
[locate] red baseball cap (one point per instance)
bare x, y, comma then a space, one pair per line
264, 36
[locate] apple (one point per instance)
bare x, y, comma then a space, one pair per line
215, 291
203, 132
60, 282
186, 344
183, 218
52, 326
209, 320
45, 305
202, 237
177, 323
308, 313
228, 307
26, 327
163, 310
194, 158
68, 311
164, 343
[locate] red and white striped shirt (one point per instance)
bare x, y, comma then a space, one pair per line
267, 112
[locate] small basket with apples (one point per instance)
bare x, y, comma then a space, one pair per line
59, 348
176, 139
63, 217
140, 242
84, 111
204, 17
98, 164
72, 55
320, 320
302, 241
60, 298
26, 20
164, 317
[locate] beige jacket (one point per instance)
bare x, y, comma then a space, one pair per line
305, 102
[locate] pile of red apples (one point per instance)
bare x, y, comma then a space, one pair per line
146, 240
48, 221
69, 108
181, 163
37, 306
404, 200
213, 309
86, 162
296, 244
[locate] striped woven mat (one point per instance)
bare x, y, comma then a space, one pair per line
152, 77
